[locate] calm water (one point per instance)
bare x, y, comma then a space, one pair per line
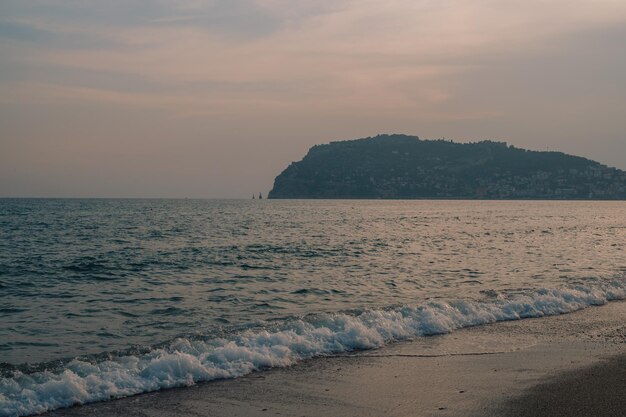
82, 277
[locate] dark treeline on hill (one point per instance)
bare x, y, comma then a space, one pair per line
405, 167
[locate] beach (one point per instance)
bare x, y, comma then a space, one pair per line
565, 365
593, 391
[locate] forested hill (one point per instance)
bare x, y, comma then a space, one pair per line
399, 166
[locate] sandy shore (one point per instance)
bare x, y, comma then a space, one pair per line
593, 391
568, 365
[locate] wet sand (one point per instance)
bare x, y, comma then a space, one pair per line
567, 365
598, 390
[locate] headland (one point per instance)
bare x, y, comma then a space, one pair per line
406, 167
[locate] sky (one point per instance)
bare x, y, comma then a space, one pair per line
213, 99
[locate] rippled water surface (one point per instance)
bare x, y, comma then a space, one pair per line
80, 277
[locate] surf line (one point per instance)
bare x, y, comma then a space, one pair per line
417, 355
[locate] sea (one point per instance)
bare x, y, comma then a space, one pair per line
107, 298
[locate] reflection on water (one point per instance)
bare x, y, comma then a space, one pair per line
87, 276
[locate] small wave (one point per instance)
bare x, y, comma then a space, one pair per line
313, 291
85, 266
12, 310
168, 311
184, 361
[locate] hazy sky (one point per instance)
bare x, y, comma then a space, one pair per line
193, 98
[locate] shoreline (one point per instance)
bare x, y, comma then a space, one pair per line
474, 371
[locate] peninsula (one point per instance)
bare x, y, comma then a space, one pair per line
406, 167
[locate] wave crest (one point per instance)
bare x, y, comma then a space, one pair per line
184, 362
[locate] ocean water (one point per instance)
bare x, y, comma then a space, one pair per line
102, 299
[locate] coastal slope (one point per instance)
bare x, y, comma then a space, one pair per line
405, 167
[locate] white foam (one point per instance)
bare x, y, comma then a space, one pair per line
185, 362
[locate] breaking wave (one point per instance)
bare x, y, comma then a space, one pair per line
184, 362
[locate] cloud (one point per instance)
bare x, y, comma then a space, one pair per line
238, 18
403, 54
